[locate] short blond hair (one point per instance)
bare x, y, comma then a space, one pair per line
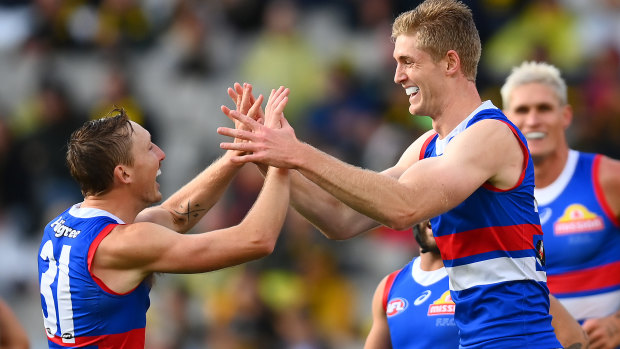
534, 72
443, 25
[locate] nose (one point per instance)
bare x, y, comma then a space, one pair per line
399, 75
160, 153
531, 118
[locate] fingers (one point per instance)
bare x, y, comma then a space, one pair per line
275, 106
255, 111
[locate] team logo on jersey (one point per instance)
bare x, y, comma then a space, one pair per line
545, 214
442, 306
396, 306
422, 298
577, 219
540, 252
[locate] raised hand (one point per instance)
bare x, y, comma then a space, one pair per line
273, 112
244, 100
245, 103
262, 143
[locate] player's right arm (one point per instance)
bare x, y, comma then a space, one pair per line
379, 335
332, 217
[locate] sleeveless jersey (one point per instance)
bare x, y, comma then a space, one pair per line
491, 245
582, 239
79, 311
419, 309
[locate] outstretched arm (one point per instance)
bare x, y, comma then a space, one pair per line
182, 210
443, 182
131, 252
379, 335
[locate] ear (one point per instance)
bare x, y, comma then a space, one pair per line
122, 174
453, 62
567, 115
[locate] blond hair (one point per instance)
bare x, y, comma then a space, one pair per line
534, 72
443, 25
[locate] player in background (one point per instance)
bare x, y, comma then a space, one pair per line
578, 197
97, 259
476, 178
12, 333
412, 307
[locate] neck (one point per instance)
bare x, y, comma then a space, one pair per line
116, 204
456, 108
548, 168
430, 261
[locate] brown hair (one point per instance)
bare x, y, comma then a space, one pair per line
96, 148
443, 25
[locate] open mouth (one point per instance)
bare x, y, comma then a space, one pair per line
412, 90
158, 172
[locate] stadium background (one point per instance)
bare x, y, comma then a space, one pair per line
169, 62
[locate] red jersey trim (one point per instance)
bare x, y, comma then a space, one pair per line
127, 340
585, 280
526, 158
425, 145
508, 238
388, 286
599, 193
91, 254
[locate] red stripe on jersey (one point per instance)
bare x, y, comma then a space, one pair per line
477, 241
600, 194
425, 145
585, 280
91, 255
388, 286
128, 340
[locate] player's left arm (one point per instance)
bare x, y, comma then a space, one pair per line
379, 335
189, 204
566, 328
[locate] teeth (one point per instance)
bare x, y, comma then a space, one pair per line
158, 172
535, 135
411, 90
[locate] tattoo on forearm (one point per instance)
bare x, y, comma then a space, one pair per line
189, 211
574, 346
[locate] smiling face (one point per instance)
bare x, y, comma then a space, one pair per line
537, 111
419, 75
146, 167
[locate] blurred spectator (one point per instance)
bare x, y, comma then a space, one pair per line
346, 115
116, 91
281, 56
544, 31
599, 123
42, 126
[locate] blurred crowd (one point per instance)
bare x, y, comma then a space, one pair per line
169, 63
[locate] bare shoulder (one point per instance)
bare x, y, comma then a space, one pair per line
127, 242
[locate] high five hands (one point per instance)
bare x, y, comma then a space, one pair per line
271, 142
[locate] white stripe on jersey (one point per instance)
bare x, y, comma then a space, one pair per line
493, 271
593, 306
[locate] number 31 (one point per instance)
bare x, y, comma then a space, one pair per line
63, 293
